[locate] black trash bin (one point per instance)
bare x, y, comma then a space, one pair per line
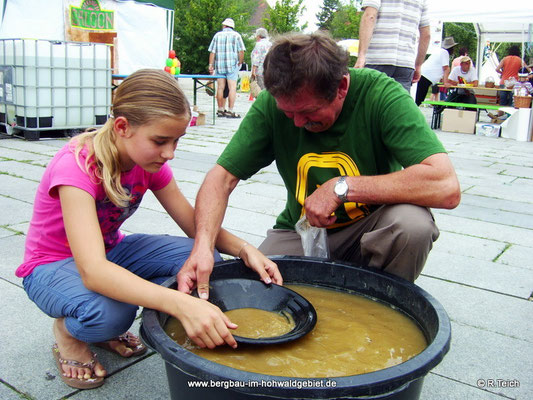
186, 371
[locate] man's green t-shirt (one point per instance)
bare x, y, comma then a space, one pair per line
379, 130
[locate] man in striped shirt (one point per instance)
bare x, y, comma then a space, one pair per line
393, 38
226, 54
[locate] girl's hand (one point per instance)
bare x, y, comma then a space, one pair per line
205, 323
267, 269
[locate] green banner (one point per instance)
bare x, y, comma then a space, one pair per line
91, 16
169, 4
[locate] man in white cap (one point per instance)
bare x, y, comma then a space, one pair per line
225, 58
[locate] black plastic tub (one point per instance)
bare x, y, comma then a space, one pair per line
194, 377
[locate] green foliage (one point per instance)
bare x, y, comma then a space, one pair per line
197, 21
465, 35
326, 14
345, 22
284, 17
502, 50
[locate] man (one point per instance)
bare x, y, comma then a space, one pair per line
463, 51
348, 142
388, 38
464, 73
259, 53
225, 58
435, 68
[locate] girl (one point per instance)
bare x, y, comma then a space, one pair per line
81, 270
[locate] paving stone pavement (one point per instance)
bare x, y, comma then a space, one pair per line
480, 269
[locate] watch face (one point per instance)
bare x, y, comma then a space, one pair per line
341, 188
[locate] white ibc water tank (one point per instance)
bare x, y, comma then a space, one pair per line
56, 84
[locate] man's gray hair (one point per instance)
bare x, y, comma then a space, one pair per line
261, 32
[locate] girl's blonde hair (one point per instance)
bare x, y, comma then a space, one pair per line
142, 98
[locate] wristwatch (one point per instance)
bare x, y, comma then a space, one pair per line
341, 189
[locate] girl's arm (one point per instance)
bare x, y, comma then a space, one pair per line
182, 212
204, 323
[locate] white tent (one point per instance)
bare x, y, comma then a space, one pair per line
504, 21
144, 30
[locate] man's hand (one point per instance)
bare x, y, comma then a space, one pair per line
360, 63
321, 204
195, 273
417, 75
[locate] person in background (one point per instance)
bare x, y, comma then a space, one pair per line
523, 87
463, 51
508, 69
463, 74
437, 66
435, 91
259, 53
81, 270
393, 38
226, 55
355, 153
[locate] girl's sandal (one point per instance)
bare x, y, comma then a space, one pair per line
221, 113
91, 383
232, 115
131, 341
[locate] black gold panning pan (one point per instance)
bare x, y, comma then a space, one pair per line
231, 294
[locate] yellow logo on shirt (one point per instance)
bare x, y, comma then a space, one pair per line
329, 160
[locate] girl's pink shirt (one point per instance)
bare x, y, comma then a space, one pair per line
46, 240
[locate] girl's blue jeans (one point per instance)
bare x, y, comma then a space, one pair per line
58, 290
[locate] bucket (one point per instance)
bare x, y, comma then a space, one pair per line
186, 370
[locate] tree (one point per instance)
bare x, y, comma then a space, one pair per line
326, 13
465, 35
284, 17
345, 23
502, 50
197, 21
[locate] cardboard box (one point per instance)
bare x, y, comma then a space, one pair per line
488, 129
462, 121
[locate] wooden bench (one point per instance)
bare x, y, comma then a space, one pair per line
435, 118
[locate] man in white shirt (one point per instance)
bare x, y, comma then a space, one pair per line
435, 68
463, 73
